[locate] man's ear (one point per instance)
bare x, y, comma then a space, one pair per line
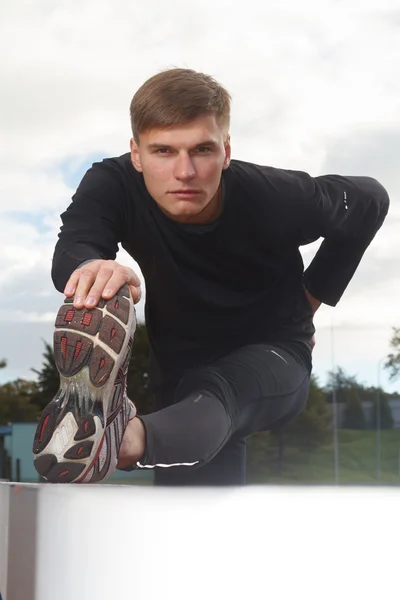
228, 151
135, 156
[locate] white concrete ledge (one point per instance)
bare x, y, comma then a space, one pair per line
66, 542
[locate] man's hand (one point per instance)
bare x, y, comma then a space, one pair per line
315, 304
100, 279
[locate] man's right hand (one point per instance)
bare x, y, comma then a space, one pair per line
100, 279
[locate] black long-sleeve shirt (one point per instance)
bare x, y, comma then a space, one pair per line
239, 280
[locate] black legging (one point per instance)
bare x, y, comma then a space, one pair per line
200, 438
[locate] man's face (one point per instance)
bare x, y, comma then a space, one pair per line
182, 165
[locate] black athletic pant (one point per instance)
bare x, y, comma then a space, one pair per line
200, 437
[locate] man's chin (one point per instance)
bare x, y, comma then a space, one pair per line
186, 208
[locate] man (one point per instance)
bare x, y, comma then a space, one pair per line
229, 308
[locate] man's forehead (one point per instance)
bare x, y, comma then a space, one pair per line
190, 134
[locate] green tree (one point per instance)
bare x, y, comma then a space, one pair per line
393, 359
341, 383
349, 392
48, 378
310, 429
15, 402
386, 417
354, 394
353, 417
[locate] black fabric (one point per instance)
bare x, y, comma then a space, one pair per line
227, 468
210, 289
255, 388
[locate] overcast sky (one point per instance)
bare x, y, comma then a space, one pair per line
315, 87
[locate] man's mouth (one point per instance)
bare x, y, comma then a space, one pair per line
185, 193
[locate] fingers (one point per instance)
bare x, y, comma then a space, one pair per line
72, 282
100, 279
133, 279
135, 287
120, 276
75, 284
136, 293
87, 278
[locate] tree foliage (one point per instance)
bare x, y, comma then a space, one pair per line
312, 427
341, 383
386, 420
48, 378
353, 394
15, 402
354, 417
393, 359
309, 430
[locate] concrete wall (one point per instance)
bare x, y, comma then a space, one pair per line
4, 523
114, 542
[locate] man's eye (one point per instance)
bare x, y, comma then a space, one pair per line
204, 149
162, 151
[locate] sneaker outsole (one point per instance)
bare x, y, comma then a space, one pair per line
79, 433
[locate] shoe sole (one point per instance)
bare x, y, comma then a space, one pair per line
92, 349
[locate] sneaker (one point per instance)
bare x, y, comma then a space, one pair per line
80, 431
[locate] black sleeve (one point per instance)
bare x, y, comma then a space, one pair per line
347, 212
92, 225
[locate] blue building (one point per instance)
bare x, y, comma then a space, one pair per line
4, 433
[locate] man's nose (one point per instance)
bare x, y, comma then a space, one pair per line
184, 168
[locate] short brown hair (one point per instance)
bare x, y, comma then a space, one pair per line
178, 96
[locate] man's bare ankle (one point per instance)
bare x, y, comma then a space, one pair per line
133, 444
138, 438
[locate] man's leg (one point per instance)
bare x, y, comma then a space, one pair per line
228, 467
252, 389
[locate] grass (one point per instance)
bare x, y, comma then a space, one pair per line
357, 460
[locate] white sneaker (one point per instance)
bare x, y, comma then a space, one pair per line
80, 431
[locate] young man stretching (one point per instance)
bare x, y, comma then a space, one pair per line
229, 308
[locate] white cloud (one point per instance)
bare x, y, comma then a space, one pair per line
23, 316
305, 82
29, 189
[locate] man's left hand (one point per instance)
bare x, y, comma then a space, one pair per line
315, 304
